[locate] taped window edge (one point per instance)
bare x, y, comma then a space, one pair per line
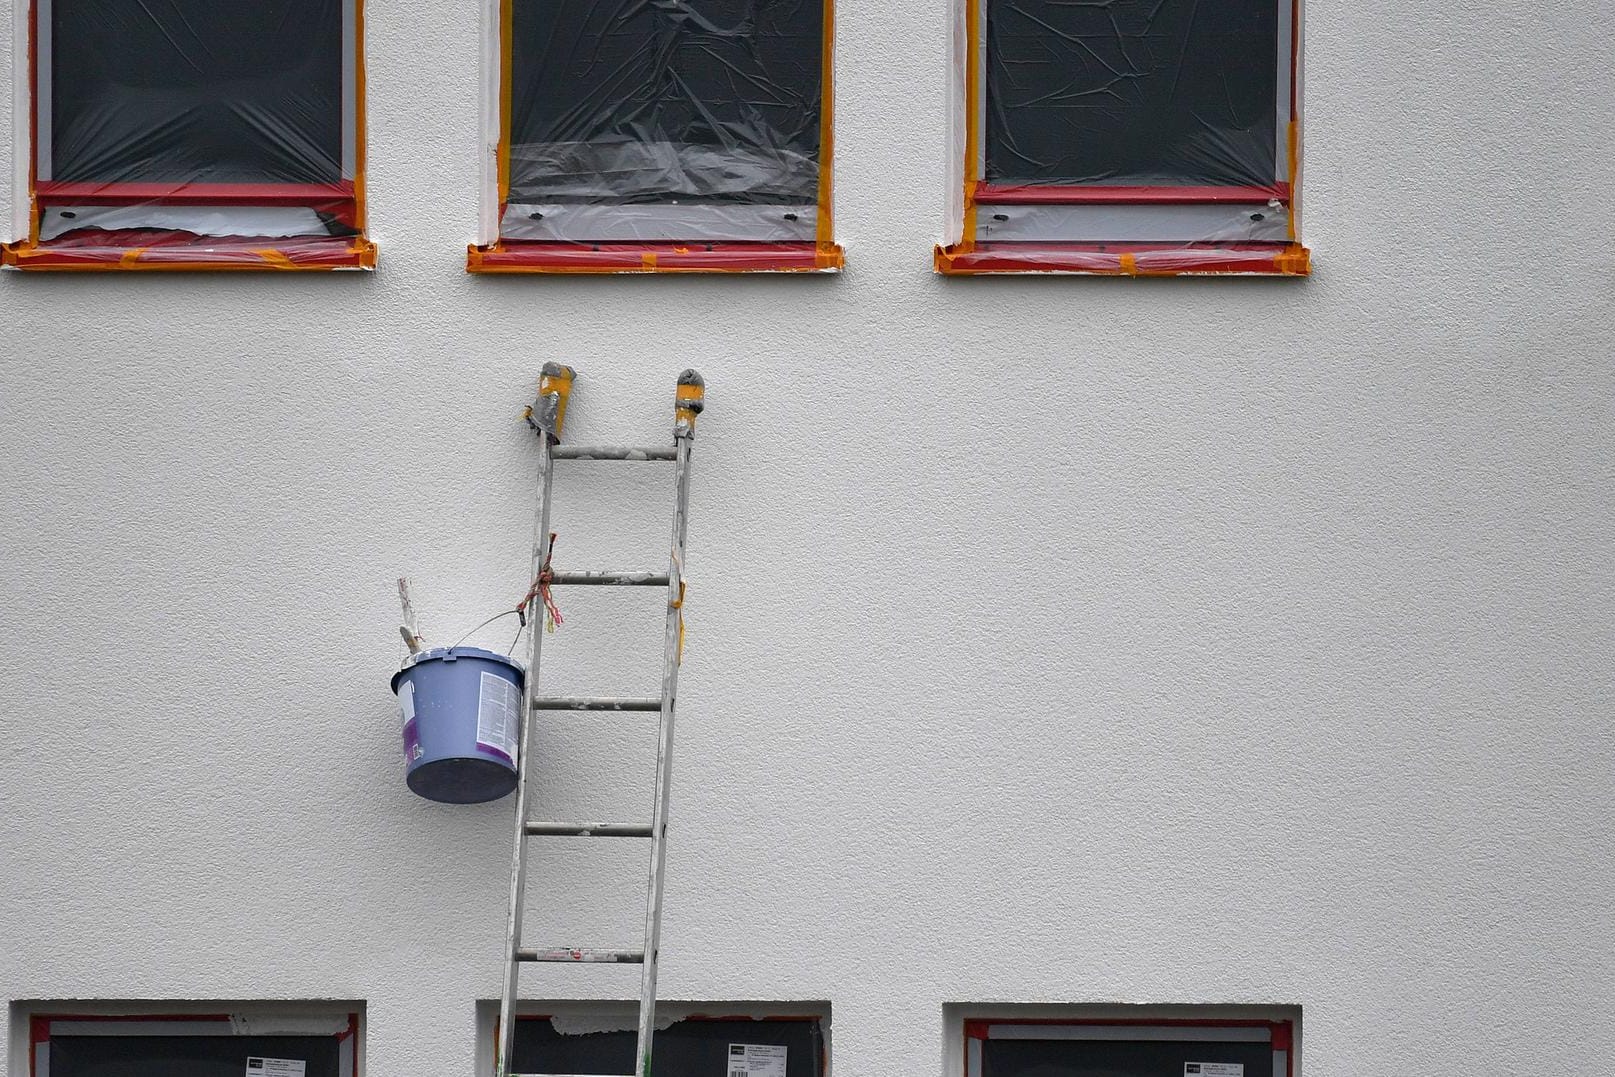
684, 1044
625, 258
181, 207
173, 252
1211, 215
119, 1034
1123, 259
689, 212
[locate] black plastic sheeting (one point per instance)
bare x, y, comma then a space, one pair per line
1116, 1058
1132, 92
197, 91
684, 1049
654, 100
187, 1056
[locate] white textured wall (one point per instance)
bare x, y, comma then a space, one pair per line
1050, 639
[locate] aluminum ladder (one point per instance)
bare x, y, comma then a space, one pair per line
547, 416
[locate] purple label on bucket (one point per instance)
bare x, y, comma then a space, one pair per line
497, 752
412, 742
412, 732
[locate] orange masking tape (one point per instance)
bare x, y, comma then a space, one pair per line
679, 605
276, 258
359, 121
365, 251
1295, 261
967, 236
506, 76
973, 121
686, 405
825, 227
1295, 145
560, 387
33, 123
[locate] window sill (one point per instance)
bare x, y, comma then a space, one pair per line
185, 251
1016, 194
538, 257
1126, 259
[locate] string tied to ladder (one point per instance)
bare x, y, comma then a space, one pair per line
541, 590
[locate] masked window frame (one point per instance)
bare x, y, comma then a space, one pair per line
737, 1024
494, 252
1132, 230
170, 248
1278, 1036
42, 1026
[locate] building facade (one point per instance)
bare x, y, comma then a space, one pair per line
1055, 645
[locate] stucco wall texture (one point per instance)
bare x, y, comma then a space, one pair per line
1050, 640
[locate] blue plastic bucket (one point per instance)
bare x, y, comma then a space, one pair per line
461, 708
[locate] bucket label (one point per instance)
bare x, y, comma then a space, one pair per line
275, 1067
756, 1060
412, 732
498, 716
1214, 1069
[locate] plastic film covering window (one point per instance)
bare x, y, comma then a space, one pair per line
648, 120
1131, 92
226, 126
197, 91
190, 1056
689, 1048
1123, 1058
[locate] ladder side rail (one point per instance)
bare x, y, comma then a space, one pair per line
688, 404
518, 859
554, 389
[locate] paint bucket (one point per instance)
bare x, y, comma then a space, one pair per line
461, 708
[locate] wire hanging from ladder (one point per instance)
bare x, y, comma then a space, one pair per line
539, 590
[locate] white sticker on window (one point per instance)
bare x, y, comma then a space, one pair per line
1214, 1069
756, 1060
275, 1067
498, 715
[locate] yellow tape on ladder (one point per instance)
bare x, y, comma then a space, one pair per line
679, 605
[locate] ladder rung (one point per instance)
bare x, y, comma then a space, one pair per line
621, 957
588, 830
612, 452
596, 703
610, 579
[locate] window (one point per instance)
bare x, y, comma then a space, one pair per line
258, 1044
772, 1039
1131, 136
194, 134
688, 135
1128, 1047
